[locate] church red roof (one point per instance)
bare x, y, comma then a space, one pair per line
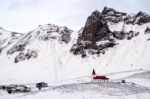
100, 77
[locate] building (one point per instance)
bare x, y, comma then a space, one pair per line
98, 77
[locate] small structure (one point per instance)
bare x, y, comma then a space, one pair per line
41, 85
98, 77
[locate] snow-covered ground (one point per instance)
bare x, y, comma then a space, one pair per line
136, 87
89, 90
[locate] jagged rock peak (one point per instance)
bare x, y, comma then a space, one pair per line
52, 31
142, 18
111, 11
107, 10
93, 18
140, 13
96, 13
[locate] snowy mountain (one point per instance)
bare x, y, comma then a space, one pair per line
23, 44
40, 47
105, 29
115, 43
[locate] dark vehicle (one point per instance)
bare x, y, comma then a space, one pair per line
11, 90
41, 85
2, 87
123, 81
17, 89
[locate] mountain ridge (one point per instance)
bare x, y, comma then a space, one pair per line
107, 43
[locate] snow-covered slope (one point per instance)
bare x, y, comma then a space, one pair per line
7, 38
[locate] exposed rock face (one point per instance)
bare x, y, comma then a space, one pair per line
112, 15
96, 36
140, 18
19, 47
51, 31
147, 30
95, 30
22, 56
65, 35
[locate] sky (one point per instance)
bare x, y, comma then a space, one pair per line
24, 15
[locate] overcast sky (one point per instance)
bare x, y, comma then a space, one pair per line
25, 15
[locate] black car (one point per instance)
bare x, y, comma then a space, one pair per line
41, 85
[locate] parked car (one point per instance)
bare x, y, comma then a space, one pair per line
17, 89
41, 85
123, 81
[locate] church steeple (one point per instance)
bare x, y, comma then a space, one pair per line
93, 72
